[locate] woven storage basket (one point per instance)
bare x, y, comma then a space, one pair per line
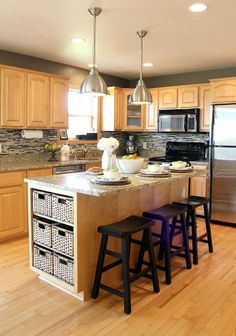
43, 259
42, 203
42, 231
63, 239
62, 208
64, 268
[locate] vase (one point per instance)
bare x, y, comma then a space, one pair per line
106, 160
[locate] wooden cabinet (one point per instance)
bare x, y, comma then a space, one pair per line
168, 98
92, 164
58, 102
188, 96
151, 111
39, 172
223, 90
13, 221
112, 110
205, 107
37, 110
134, 115
12, 97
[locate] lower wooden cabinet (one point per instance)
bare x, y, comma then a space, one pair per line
39, 172
13, 217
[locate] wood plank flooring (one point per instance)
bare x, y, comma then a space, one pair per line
200, 302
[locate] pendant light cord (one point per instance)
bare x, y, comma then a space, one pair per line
141, 59
94, 41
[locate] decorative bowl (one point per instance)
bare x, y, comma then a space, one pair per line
179, 164
130, 166
112, 174
155, 168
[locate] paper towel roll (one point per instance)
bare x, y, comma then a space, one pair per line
29, 134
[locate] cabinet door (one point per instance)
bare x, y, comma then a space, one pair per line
223, 91
13, 221
168, 98
188, 96
151, 111
59, 103
134, 115
205, 107
112, 110
13, 98
39, 172
37, 101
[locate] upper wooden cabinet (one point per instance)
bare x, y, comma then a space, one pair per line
31, 99
134, 115
185, 96
112, 110
188, 96
37, 110
151, 111
205, 107
13, 97
59, 103
168, 98
223, 90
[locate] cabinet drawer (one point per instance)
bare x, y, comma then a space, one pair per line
39, 172
11, 179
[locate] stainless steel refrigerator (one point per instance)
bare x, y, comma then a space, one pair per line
223, 165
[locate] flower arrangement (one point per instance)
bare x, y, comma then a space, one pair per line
108, 144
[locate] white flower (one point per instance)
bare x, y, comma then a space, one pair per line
108, 144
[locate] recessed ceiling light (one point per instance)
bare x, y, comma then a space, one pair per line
77, 40
147, 65
198, 7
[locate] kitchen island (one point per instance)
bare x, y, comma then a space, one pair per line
64, 212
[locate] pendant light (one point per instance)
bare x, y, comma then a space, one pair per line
94, 84
141, 94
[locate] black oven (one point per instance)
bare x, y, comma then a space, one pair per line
179, 121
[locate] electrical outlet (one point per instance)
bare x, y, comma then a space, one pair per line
0, 148
144, 145
183, 191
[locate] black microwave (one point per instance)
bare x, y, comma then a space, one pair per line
179, 121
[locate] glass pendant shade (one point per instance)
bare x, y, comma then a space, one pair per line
141, 95
94, 84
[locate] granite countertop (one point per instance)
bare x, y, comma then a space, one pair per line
80, 183
26, 162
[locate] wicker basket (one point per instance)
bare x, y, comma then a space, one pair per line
43, 259
42, 231
64, 268
62, 208
42, 203
63, 239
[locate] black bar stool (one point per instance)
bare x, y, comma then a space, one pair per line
168, 231
193, 202
124, 230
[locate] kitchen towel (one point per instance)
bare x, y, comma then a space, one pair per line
30, 134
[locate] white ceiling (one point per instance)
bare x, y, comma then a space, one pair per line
177, 41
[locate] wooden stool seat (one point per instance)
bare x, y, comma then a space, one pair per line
193, 202
124, 231
125, 227
168, 231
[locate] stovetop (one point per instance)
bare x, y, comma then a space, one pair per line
185, 151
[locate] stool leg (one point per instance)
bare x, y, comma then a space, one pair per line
172, 230
152, 260
160, 254
185, 242
166, 245
208, 228
142, 250
194, 236
99, 268
125, 272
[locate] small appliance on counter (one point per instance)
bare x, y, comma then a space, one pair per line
130, 146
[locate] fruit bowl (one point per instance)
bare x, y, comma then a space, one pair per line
129, 165
53, 148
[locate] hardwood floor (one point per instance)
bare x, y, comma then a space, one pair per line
200, 302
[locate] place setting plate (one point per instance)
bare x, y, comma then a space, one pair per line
147, 173
187, 169
102, 180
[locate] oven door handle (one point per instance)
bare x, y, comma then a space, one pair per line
66, 172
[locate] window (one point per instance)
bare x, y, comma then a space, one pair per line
83, 111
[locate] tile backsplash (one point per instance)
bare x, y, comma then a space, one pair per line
154, 143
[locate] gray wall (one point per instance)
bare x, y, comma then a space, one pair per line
74, 73
186, 78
